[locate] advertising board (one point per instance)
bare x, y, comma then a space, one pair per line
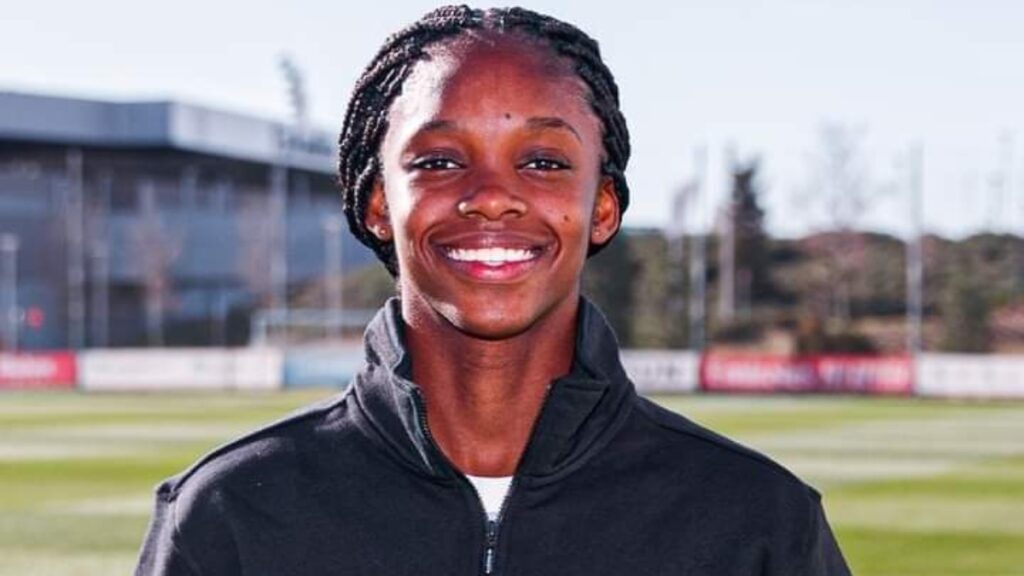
842, 374
180, 369
330, 366
970, 376
655, 371
37, 370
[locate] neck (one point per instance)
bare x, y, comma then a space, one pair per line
483, 395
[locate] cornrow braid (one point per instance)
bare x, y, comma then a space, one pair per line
366, 119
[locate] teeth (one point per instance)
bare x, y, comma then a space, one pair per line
490, 256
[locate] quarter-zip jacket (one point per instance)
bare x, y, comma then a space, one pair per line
609, 484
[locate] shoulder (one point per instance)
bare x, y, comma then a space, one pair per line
708, 454
743, 494
253, 480
263, 456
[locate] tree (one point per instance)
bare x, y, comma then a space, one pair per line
751, 241
840, 182
154, 250
966, 308
608, 280
256, 243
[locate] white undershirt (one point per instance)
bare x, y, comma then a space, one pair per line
492, 492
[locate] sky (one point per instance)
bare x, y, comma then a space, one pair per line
741, 79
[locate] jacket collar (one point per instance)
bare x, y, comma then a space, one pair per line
583, 409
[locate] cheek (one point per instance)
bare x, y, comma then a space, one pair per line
406, 204
401, 201
413, 214
573, 217
574, 229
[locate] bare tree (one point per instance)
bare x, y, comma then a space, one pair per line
153, 251
840, 182
256, 239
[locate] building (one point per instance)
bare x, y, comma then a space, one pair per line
157, 223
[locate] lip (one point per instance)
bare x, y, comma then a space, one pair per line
482, 270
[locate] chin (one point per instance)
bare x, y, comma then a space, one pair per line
500, 328
496, 318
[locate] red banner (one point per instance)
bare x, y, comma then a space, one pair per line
37, 370
843, 374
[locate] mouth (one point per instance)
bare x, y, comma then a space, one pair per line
493, 258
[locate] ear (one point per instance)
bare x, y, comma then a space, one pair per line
607, 216
378, 219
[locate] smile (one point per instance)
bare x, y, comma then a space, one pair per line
491, 256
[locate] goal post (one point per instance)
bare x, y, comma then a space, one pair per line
300, 326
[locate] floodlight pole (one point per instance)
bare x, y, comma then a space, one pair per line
675, 238
332, 270
727, 249
915, 268
1006, 145
279, 224
100, 265
295, 82
698, 264
9, 245
75, 224
100, 293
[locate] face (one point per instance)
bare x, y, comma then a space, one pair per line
491, 188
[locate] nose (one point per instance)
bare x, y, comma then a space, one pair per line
492, 199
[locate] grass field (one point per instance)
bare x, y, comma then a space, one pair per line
911, 487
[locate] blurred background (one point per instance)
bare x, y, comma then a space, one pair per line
824, 254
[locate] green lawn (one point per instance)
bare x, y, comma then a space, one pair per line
911, 487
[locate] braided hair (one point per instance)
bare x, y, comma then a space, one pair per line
366, 120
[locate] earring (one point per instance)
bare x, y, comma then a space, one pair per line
382, 232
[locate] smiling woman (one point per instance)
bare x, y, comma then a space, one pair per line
493, 429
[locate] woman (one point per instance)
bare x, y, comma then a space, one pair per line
493, 429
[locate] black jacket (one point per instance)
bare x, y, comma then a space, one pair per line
609, 484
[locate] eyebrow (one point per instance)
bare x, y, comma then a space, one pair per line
438, 126
535, 123
551, 122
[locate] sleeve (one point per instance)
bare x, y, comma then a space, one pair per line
822, 555
161, 553
802, 543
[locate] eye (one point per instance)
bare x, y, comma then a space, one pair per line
544, 164
435, 163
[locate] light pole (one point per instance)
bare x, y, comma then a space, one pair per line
100, 293
279, 181
332, 224
278, 215
75, 217
100, 268
9, 278
675, 237
698, 263
915, 270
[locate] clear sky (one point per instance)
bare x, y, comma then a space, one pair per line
758, 76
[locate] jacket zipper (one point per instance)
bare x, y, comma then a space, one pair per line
490, 526
492, 539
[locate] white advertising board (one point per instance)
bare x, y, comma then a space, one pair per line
970, 376
180, 369
662, 370
323, 366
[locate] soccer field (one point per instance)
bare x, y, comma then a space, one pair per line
912, 487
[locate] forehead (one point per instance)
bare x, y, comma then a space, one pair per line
499, 74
